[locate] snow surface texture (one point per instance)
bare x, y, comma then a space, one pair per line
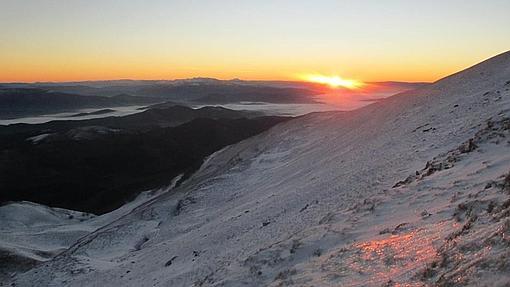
409, 191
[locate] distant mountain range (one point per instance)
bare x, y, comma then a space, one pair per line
19, 102
21, 99
123, 83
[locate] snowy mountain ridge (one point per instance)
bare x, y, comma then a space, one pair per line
411, 190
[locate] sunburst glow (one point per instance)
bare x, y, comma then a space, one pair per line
332, 81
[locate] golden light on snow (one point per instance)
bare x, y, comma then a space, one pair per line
332, 81
388, 257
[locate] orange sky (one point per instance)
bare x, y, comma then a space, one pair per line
58, 40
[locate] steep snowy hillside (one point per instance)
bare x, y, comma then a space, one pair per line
412, 189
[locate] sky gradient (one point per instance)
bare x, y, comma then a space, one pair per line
67, 40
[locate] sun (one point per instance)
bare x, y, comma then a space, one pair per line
332, 81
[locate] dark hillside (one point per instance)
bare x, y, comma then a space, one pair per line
101, 173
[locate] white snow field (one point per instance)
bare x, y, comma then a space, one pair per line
410, 191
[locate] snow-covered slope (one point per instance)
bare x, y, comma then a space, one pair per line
32, 233
329, 199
